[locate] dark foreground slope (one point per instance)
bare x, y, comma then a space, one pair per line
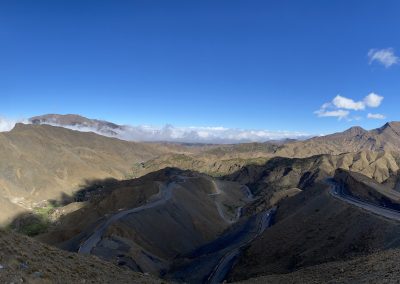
24, 260
380, 267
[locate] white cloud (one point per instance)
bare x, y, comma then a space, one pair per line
340, 113
346, 103
373, 100
340, 106
376, 116
384, 56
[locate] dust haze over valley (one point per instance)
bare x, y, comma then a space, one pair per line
199, 141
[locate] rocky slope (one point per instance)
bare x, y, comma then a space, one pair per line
313, 228
367, 189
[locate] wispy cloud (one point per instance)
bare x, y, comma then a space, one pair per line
385, 57
341, 107
340, 113
202, 134
375, 116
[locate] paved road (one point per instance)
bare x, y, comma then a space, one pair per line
163, 196
227, 261
248, 192
218, 204
337, 191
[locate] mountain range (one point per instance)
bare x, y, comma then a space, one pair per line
352, 140
279, 211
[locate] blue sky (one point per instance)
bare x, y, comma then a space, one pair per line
237, 64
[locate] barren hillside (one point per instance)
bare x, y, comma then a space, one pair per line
40, 162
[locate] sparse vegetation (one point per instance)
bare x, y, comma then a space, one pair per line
34, 223
34, 229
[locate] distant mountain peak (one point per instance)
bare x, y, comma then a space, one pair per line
19, 126
79, 122
355, 130
393, 126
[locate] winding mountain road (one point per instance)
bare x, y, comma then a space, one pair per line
163, 196
227, 261
224, 258
337, 191
218, 204
247, 191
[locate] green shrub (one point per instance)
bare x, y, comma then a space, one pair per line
34, 229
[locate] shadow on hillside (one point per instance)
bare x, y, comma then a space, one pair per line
46, 214
89, 190
69, 238
42, 216
261, 179
253, 175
